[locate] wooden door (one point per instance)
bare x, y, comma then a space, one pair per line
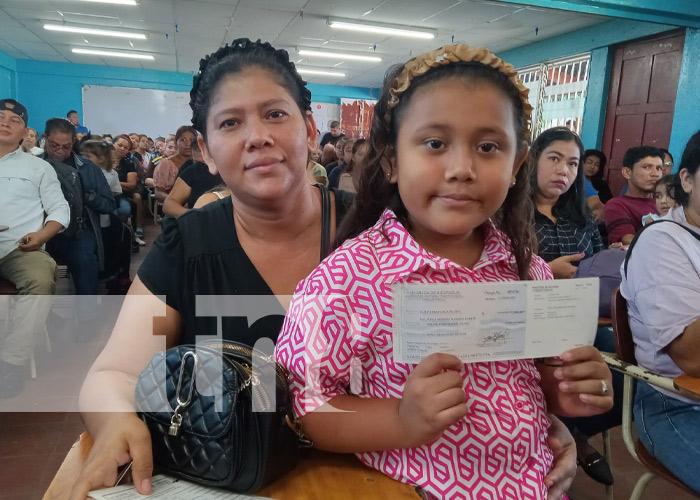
642, 96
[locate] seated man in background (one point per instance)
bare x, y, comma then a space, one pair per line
83, 251
642, 167
29, 189
332, 136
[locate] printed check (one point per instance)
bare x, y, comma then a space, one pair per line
494, 321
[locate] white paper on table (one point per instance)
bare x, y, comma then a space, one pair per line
170, 488
493, 321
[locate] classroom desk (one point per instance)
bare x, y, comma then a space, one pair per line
688, 386
318, 476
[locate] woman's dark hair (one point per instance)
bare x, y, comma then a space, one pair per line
184, 129
598, 180
231, 59
690, 161
571, 204
355, 148
376, 193
102, 150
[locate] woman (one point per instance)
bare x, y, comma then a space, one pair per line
316, 171
594, 162
192, 182
254, 115
166, 172
127, 170
30, 141
662, 288
567, 233
349, 179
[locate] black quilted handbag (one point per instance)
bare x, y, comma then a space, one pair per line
218, 441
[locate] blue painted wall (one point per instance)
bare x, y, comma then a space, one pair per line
597, 98
50, 89
8, 77
686, 119
584, 40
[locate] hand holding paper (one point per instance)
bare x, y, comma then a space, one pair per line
433, 399
575, 388
494, 321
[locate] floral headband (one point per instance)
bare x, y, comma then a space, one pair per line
450, 54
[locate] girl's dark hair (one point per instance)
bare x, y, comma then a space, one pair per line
231, 59
571, 204
672, 183
691, 162
598, 180
102, 150
376, 193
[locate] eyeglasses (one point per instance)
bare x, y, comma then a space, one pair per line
668, 163
64, 147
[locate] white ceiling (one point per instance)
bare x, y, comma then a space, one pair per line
180, 32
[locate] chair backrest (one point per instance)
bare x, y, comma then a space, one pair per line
624, 344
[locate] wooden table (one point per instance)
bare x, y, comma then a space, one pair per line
318, 476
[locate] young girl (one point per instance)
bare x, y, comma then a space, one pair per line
663, 194
100, 153
444, 197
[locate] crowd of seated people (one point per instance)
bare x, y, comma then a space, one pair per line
558, 203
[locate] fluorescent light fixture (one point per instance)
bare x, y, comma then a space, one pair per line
321, 72
113, 53
337, 55
115, 2
94, 31
380, 28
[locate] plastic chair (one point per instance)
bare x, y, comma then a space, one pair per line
625, 362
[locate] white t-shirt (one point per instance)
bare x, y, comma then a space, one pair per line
113, 181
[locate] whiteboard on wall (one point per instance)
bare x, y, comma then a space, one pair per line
124, 110
324, 113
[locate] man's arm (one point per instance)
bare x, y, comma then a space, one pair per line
618, 222
55, 205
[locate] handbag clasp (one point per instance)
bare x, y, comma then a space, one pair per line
176, 419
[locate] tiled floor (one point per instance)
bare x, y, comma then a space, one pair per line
33, 444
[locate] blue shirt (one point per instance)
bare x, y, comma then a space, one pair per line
590, 190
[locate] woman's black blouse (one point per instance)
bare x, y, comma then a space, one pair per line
199, 254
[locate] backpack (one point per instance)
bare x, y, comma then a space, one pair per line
72, 188
604, 265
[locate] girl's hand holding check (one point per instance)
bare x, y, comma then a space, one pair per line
578, 383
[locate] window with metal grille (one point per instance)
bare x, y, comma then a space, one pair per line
558, 98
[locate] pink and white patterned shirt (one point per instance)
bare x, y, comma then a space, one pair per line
499, 450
